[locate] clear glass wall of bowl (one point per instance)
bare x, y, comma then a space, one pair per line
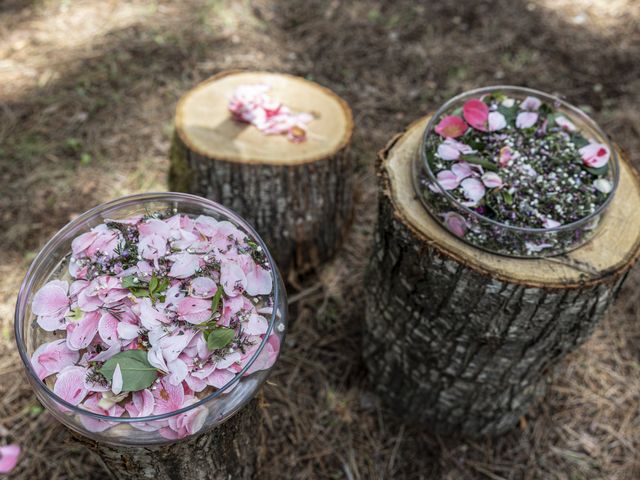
489, 234
212, 409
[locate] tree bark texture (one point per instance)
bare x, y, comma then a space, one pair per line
230, 451
456, 342
301, 212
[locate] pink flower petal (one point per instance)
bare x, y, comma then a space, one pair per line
455, 223
267, 356
108, 329
9, 455
156, 359
194, 310
259, 281
51, 300
128, 331
116, 382
177, 371
461, 170
505, 155
496, 121
84, 332
168, 397
448, 180
451, 126
82, 243
141, 404
526, 119
491, 180
530, 103
173, 345
203, 287
257, 325
220, 377
595, 155
566, 124
184, 265
69, 385
476, 113
52, 357
233, 279
154, 226
473, 189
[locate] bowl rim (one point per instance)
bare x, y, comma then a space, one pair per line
574, 111
59, 237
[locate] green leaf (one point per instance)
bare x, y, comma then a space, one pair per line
508, 199
162, 285
153, 283
579, 141
510, 113
140, 292
215, 301
137, 372
130, 281
219, 338
476, 160
597, 171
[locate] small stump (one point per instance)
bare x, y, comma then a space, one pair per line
462, 340
298, 196
228, 451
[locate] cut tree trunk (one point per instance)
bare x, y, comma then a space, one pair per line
230, 451
297, 196
463, 340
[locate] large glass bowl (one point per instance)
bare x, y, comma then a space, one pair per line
216, 407
491, 235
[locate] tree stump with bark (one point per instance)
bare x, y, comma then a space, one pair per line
463, 340
229, 451
298, 196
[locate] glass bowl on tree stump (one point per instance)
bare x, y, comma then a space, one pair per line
147, 326
461, 339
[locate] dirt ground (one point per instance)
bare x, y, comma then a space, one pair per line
87, 94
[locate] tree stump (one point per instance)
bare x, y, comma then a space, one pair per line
297, 196
462, 340
230, 451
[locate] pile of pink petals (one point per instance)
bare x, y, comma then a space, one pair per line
197, 259
251, 104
